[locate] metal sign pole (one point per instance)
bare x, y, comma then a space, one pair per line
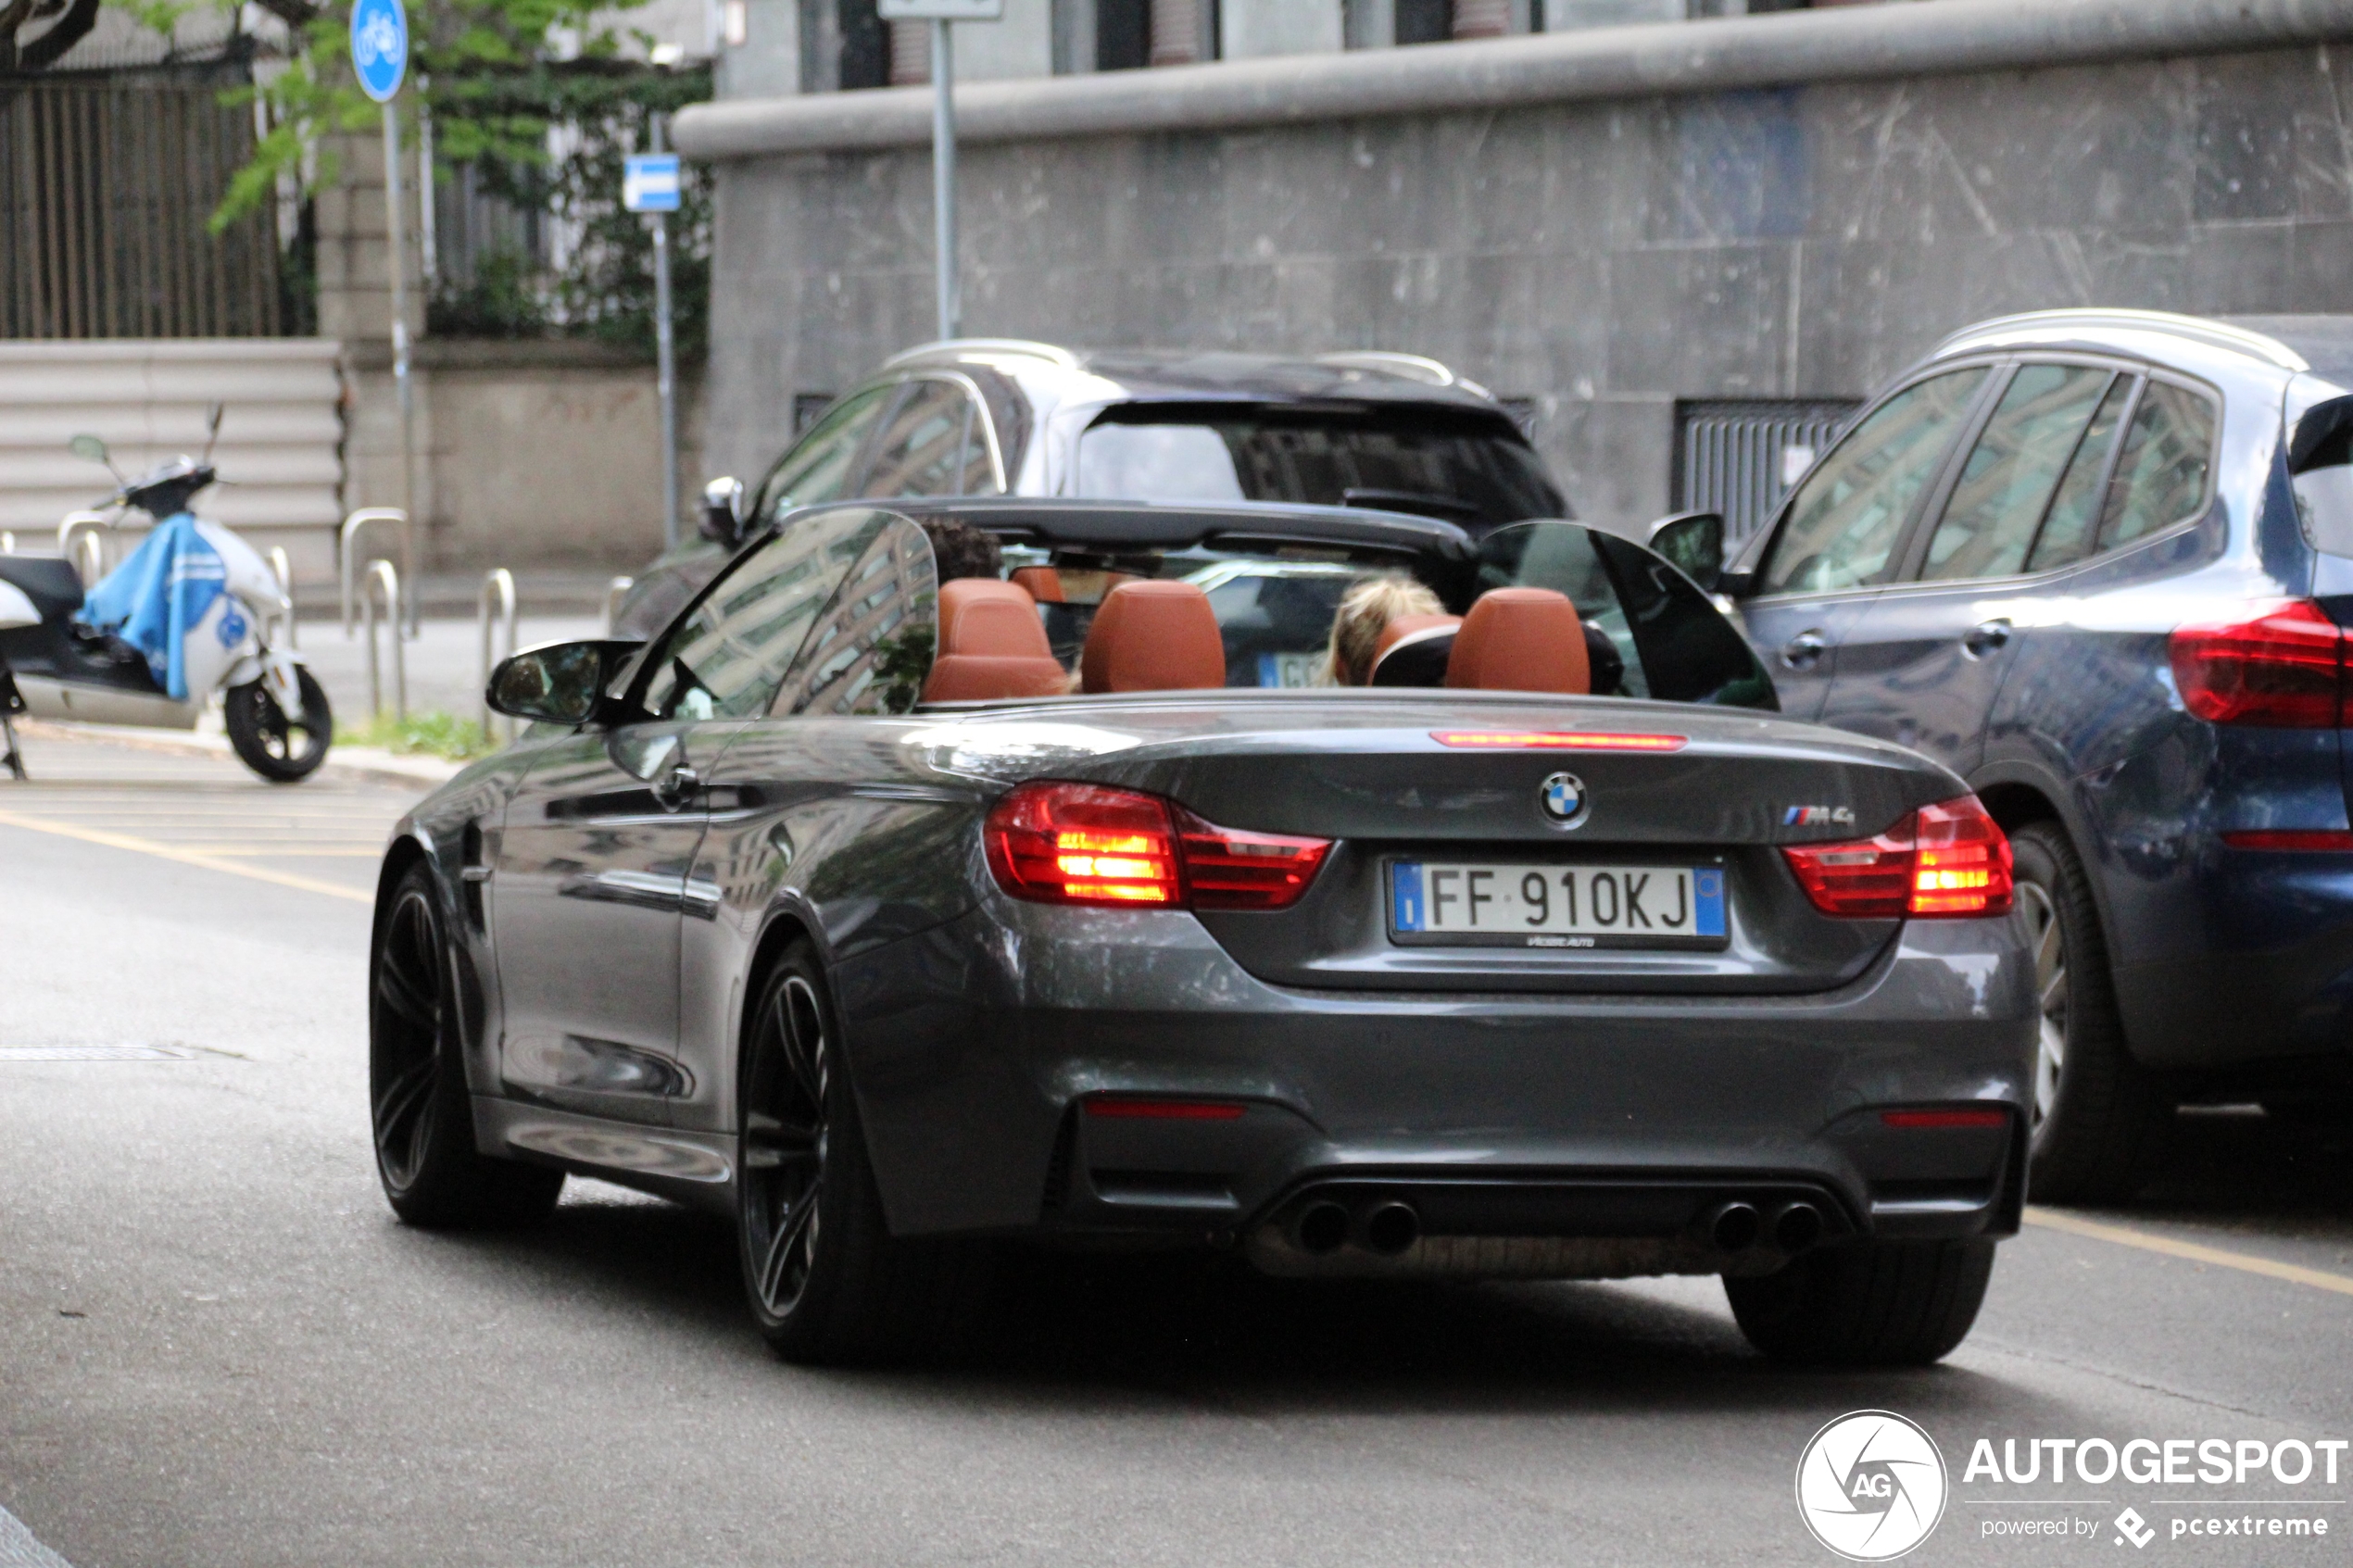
666, 356
943, 172
380, 59
396, 248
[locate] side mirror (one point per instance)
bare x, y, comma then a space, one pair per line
1693, 541
90, 449
722, 511
561, 683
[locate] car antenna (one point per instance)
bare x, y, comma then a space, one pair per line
213, 431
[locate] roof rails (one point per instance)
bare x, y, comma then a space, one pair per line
1403, 367
2200, 329
951, 350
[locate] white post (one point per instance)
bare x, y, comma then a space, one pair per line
428, 235
943, 172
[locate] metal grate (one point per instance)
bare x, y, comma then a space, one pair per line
104, 187
1740, 457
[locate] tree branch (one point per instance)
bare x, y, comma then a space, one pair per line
295, 14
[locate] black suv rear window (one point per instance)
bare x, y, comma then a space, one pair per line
1468, 469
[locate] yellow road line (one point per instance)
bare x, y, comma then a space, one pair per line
2190, 1250
185, 856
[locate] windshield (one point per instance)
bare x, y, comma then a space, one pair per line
1465, 467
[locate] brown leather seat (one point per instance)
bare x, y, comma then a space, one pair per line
1422, 644
1521, 640
1042, 582
1153, 635
991, 647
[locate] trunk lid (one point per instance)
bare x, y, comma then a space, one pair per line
1459, 780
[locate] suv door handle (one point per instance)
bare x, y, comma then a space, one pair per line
1986, 636
1805, 651
674, 788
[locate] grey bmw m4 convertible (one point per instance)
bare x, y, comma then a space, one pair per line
1508, 933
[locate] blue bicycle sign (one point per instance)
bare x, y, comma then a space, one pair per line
379, 46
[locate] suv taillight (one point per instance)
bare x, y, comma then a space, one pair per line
2284, 669
1943, 861
1057, 843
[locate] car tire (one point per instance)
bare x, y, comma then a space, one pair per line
263, 738
1873, 1303
2099, 1118
826, 1280
421, 1110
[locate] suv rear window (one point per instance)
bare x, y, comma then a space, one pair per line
1464, 469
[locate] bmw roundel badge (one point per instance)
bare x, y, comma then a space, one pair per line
1563, 797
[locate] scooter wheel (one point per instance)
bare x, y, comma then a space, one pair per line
278, 748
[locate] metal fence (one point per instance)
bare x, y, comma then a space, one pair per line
1740, 457
106, 184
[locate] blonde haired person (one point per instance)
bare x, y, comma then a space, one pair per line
1366, 611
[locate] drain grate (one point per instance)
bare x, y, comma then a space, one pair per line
96, 1053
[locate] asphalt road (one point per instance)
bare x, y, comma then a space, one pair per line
217, 1346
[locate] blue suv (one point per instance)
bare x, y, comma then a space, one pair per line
2098, 562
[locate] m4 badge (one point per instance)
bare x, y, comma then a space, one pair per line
1818, 817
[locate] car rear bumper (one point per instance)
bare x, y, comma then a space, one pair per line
2243, 968
1514, 1126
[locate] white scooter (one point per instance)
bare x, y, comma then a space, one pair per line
55, 665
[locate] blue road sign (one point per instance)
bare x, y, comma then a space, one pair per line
379, 46
649, 183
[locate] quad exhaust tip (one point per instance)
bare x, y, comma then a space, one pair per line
1391, 1228
1735, 1226
1796, 1226
1320, 1228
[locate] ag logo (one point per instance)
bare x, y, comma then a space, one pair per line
1563, 797
1870, 1486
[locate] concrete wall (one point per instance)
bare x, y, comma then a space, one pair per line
1605, 255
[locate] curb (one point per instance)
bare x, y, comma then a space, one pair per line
354, 761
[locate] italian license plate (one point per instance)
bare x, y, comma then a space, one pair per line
1485, 904
1288, 669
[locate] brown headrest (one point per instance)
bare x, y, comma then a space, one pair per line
1042, 584
1521, 640
1153, 635
1425, 640
990, 646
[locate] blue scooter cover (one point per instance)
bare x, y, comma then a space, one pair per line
156, 599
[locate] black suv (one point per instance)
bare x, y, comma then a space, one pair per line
990, 417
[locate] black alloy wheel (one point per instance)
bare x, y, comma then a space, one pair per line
786, 1082
2097, 1118
281, 750
420, 1111
825, 1279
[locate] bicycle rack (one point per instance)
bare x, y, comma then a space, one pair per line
614, 591
498, 584
404, 615
384, 581
282, 568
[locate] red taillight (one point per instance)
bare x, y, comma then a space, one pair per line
1945, 860
2326, 840
1557, 740
1163, 1110
1226, 868
2285, 669
1974, 1118
1084, 844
